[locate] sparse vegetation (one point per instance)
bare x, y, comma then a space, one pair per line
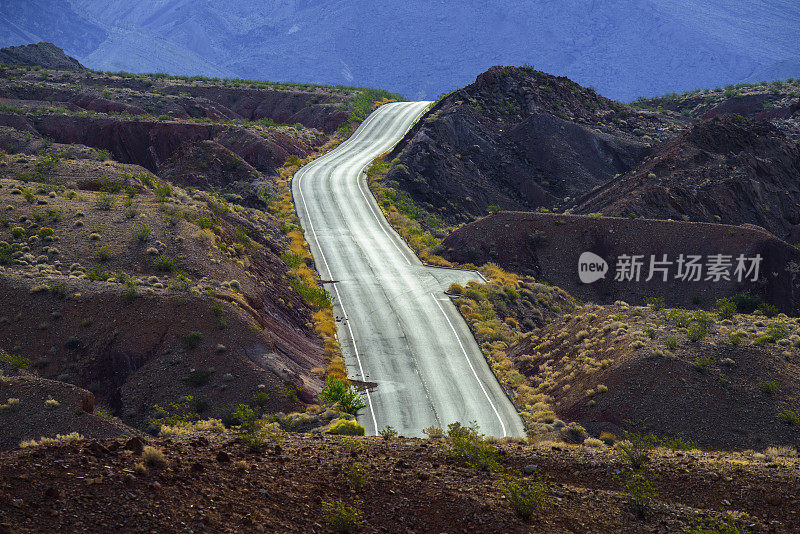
469, 448
343, 395
341, 517
153, 457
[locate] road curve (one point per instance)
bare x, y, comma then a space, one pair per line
397, 328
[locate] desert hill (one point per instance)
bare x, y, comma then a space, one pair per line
46, 55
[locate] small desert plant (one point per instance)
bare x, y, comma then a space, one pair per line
525, 495
60, 438
142, 232
767, 387
105, 201
640, 487
634, 450
15, 360
345, 396
725, 308
192, 339
388, 433
702, 363
354, 471
162, 190
736, 338
346, 427
608, 438
342, 518
789, 417
153, 457
717, 526
165, 263
105, 253
782, 451
657, 303
775, 331
469, 448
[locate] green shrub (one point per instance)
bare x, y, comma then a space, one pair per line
105, 201
162, 190
191, 340
388, 433
342, 518
97, 273
775, 331
105, 253
354, 471
640, 488
678, 317
142, 232
657, 303
339, 393
696, 332
129, 293
17, 232
768, 309
469, 448
346, 427
717, 526
725, 308
165, 263
45, 232
702, 363
789, 417
15, 360
736, 338
240, 415
634, 450
526, 496
58, 289
767, 387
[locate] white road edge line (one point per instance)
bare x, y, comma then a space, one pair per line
466, 356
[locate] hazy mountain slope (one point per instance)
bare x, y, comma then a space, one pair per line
625, 48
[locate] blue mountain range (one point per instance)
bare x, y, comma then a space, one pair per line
421, 48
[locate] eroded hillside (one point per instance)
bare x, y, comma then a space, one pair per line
149, 251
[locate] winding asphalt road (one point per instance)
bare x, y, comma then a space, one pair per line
397, 328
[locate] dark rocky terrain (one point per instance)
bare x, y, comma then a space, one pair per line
520, 139
211, 483
45, 55
725, 169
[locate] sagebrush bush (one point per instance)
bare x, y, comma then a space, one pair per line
342, 518
469, 448
154, 457
525, 495
346, 427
